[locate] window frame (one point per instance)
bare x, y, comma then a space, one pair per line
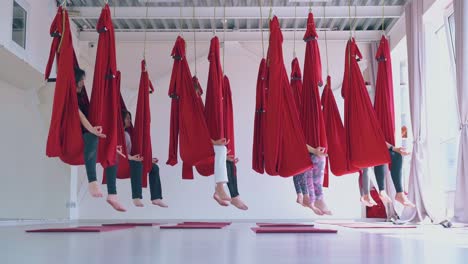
449, 11
15, 47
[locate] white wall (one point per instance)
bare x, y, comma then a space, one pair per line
32, 185
268, 197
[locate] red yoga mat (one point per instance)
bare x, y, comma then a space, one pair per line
80, 229
206, 223
132, 224
284, 225
194, 226
284, 230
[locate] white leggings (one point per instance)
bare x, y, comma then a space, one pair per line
220, 170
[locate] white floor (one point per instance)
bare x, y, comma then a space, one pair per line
234, 244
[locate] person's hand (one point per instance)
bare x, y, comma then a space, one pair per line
97, 130
402, 151
220, 142
155, 160
137, 157
320, 152
232, 159
120, 151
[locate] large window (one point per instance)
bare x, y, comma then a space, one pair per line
442, 104
19, 25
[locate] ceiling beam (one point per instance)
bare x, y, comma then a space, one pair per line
206, 35
236, 12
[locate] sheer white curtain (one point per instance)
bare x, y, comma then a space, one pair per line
461, 61
418, 110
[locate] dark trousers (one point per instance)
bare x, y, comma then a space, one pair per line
90, 154
136, 170
232, 178
111, 177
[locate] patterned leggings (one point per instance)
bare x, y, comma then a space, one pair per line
310, 182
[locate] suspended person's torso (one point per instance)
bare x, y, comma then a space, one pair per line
128, 142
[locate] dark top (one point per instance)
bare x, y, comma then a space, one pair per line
83, 105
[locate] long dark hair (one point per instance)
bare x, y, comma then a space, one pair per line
79, 74
124, 115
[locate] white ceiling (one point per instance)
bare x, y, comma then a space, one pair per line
163, 20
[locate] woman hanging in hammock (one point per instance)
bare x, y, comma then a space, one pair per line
396, 154
90, 134
384, 110
136, 167
231, 162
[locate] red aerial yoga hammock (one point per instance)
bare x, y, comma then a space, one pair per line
365, 141
103, 109
214, 108
187, 116
296, 83
384, 104
141, 136
311, 108
285, 150
123, 169
336, 138
228, 117
140, 133
258, 159
65, 139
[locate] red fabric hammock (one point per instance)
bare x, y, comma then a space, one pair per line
142, 132
258, 159
214, 93
141, 136
214, 112
208, 169
103, 109
364, 138
186, 115
339, 163
123, 169
296, 83
285, 148
228, 117
384, 104
311, 110
65, 139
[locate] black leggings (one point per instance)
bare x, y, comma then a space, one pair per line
395, 172
90, 154
111, 176
232, 177
136, 168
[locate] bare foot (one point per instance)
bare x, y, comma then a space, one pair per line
384, 197
365, 199
137, 202
219, 190
237, 202
160, 203
306, 200
320, 204
314, 208
94, 189
300, 198
219, 200
401, 198
114, 202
